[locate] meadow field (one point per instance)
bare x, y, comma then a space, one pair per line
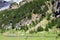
33, 36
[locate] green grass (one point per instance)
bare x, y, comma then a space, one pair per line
34, 36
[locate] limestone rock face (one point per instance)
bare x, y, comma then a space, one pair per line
35, 17
18, 25
56, 7
9, 26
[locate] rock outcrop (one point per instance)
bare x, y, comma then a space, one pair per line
56, 7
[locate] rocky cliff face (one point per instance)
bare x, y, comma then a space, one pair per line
56, 8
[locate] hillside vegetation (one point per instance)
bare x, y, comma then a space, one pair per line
40, 7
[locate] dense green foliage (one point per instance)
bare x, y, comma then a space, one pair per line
25, 12
40, 29
16, 15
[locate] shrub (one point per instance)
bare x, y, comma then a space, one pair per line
25, 28
40, 29
48, 16
52, 23
59, 35
58, 27
46, 29
32, 31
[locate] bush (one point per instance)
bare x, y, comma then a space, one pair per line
52, 23
46, 29
25, 28
32, 31
48, 16
40, 29
58, 27
59, 35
